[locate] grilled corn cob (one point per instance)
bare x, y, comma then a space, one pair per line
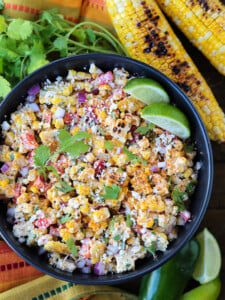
148, 37
203, 22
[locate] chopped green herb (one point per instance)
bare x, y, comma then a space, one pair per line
178, 197
72, 248
190, 187
65, 188
152, 249
129, 222
84, 231
133, 157
120, 170
106, 240
188, 148
117, 237
128, 266
65, 219
112, 192
109, 145
144, 129
36, 208
53, 169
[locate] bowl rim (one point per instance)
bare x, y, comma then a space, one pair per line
130, 275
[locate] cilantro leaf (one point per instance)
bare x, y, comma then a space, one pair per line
190, 187
42, 154
178, 197
65, 188
109, 145
60, 43
5, 87
112, 192
3, 25
20, 29
133, 157
152, 249
65, 219
80, 34
188, 148
51, 168
37, 57
68, 144
144, 129
129, 222
72, 248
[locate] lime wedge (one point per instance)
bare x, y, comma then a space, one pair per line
146, 90
167, 117
209, 262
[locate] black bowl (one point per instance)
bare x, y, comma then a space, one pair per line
200, 198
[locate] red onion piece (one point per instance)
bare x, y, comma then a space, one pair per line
24, 171
34, 90
34, 107
80, 263
86, 270
30, 99
11, 211
59, 113
81, 98
154, 168
99, 268
5, 168
185, 215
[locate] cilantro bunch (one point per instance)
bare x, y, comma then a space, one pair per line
26, 46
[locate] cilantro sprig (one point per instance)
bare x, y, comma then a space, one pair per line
144, 129
178, 197
72, 248
65, 188
28, 45
112, 192
68, 143
108, 145
133, 157
152, 249
65, 219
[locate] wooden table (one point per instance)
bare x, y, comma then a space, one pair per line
214, 219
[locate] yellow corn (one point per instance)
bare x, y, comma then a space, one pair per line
4, 183
147, 36
75, 130
203, 23
56, 247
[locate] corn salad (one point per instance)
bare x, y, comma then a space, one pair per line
114, 195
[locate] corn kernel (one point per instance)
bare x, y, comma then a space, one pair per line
34, 190
75, 130
10, 136
65, 235
4, 183
188, 173
35, 125
58, 123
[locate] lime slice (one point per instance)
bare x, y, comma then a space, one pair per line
168, 117
209, 261
146, 90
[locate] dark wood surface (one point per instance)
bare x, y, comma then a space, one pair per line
214, 219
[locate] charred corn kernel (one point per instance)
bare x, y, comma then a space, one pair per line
10, 136
35, 125
188, 173
4, 183
148, 37
97, 227
65, 234
96, 250
75, 130
58, 123
57, 247
155, 203
101, 215
200, 26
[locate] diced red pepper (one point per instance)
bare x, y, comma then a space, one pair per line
41, 185
28, 140
47, 117
17, 190
42, 223
85, 248
99, 166
30, 157
104, 78
118, 94
61, 164
54, 230
69, 117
